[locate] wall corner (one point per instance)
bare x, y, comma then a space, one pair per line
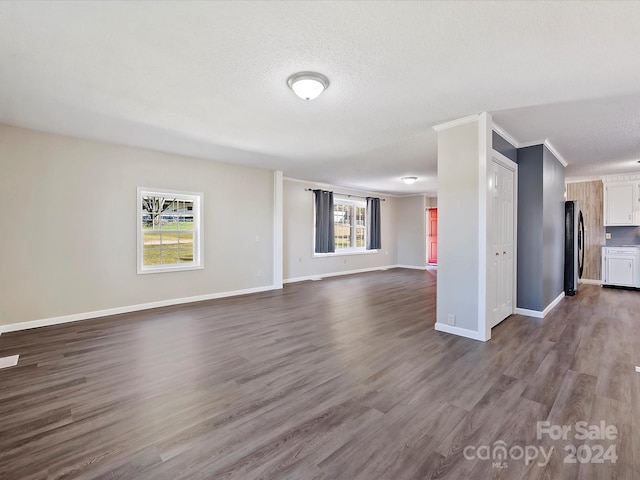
278, 226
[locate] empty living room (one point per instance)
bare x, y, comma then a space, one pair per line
319, 240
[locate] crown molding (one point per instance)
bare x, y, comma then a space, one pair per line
503, 133
355, 191
456, 123
617, 177
531, 144
547, 144
555, 152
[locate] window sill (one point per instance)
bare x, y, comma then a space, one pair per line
345, 252
169, 269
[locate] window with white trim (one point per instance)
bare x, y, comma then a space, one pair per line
349, 217
169, 231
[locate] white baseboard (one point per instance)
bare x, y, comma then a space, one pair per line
538, 313
44, 322
320, 276
304, 279
552, 305
588, 281
461, 332
529, 313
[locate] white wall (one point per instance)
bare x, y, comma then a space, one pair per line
459, 174
68, 242
411, 230
299, 261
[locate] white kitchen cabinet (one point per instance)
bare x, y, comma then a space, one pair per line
620, 266
622, 201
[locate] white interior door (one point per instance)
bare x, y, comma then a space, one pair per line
501, 243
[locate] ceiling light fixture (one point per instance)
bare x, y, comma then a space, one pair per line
409, 180
308, 85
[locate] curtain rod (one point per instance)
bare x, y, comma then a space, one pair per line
342, 194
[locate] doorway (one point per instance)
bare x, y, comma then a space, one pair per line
501, 239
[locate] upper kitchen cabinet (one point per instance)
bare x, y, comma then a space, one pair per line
622, 200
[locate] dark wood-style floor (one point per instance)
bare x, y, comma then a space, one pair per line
344, 378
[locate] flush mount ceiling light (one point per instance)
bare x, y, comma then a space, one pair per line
409, 180
308, 85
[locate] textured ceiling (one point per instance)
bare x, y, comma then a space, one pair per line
208, 79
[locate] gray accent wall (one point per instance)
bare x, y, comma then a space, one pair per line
501, 145
530, 230
540, 227
623, 236
552, 227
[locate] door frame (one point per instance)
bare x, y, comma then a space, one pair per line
513, 166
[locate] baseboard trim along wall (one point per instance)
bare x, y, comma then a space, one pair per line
320, 276
44, 322
588, 281
76, 317
530, 313
537, 313
462, 332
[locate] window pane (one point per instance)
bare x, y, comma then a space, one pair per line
185, 247
151, 248
168, 222
342, 225
360, 242
167, 248
360, 226
157, 212
186, 222
170, 254
360, 216
170, 229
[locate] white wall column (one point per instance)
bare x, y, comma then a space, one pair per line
463, 153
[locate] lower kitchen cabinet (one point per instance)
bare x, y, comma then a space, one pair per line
620, 266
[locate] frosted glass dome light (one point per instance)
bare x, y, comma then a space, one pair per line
308, 85
409, 180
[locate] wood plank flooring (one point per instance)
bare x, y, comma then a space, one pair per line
343, 378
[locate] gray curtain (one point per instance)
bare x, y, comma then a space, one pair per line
373, 224
325, 239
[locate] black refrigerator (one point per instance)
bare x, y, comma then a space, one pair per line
573, 246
